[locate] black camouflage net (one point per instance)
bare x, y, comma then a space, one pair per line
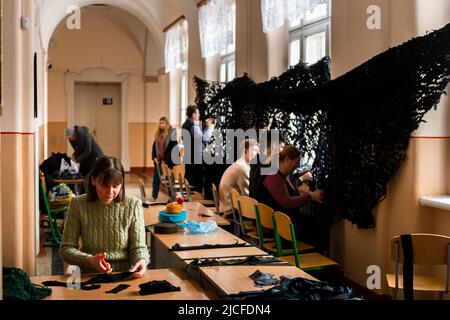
356, 127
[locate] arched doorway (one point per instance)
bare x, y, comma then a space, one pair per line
108, 64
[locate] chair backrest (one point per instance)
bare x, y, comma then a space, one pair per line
179, 171
265, 215
188, 189
164, 170
142, 189
283, 223
428, 249
215, 197
284, 228
247, 207
234, 195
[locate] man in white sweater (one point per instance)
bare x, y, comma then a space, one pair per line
237, 176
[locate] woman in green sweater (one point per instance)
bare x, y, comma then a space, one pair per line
109, 223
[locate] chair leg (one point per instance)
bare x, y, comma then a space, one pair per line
394, 294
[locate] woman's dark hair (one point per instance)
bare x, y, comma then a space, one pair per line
107, 171
191, 109
290, 152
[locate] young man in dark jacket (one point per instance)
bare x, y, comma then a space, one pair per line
193, 149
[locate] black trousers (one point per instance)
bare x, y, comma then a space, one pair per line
194, 174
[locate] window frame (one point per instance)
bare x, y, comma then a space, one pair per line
303, 30
184, 94
225, 60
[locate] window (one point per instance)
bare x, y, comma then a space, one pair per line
227, 68
309, 36
227, 56
184, 95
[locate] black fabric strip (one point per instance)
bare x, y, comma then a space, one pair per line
109, 278
157, 286
408, 268
247, 261
178, 247
83, 286
91, 284
119, 288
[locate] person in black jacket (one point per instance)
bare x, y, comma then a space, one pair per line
86, 149
199, 136
165, 142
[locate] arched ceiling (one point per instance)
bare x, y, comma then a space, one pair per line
153, 14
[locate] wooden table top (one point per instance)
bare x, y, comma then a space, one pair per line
193, 209
234, 279
239, 252
190, 290
69, 180
184, 238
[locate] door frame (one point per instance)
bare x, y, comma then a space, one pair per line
101, 75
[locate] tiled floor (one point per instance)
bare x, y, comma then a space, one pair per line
48, 261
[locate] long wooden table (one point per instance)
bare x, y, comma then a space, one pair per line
193, 211
234, 279
161, 257
190, 289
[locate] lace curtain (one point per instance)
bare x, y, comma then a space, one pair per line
216, 27
275, 12
176, 47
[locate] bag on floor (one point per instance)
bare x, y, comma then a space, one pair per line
17, 286
59, 196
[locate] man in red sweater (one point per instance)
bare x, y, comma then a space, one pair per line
282, 187
280, 192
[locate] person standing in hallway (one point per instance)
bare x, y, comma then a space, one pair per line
165, 142
86, 149
109, 222
193, 151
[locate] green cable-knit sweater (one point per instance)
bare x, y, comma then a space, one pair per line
115, 229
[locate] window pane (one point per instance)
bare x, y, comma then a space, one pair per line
184, 94
232, 25
295, 23
321, 11
223, 72
294, 52
231, 70
315, 47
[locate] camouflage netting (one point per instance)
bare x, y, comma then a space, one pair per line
356, 127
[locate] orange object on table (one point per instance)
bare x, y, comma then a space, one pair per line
103, 262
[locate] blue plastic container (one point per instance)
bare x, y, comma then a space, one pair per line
172, 217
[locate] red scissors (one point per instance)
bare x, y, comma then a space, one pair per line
103, 262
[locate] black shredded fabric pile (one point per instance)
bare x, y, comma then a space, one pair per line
356, 127
299, 289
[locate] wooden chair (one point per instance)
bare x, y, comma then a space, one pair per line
428, 250
165, 178
264, 219
53, 215
196, 196
284, 228
237, 219
216, 199
246, 210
